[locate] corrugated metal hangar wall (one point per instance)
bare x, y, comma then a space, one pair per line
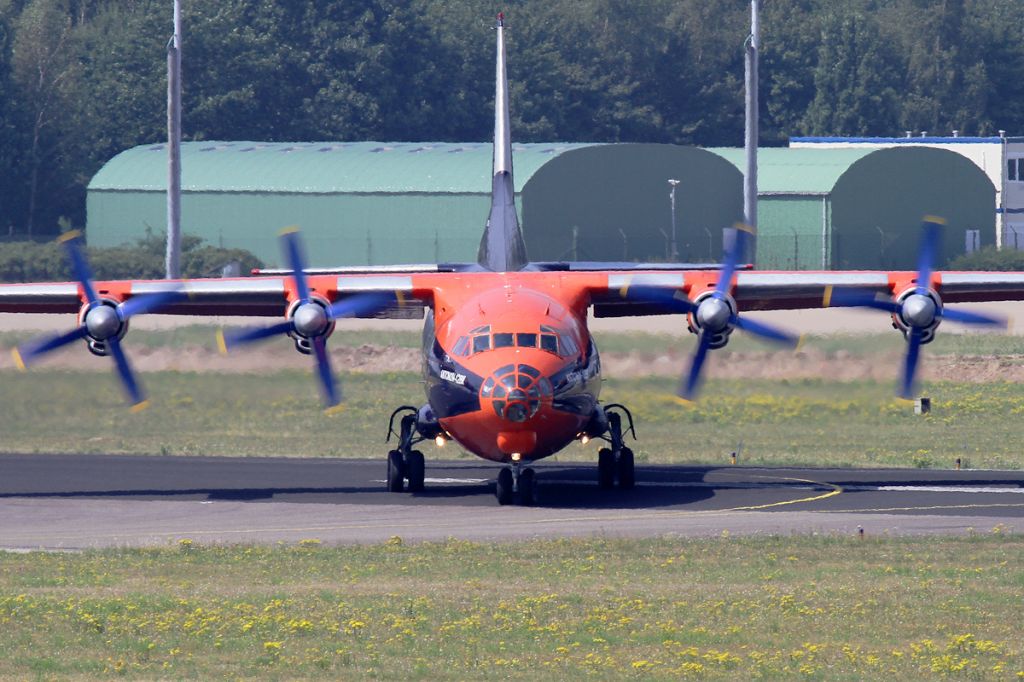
862, 208
383, 203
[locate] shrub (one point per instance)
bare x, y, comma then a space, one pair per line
33, 262
989, 258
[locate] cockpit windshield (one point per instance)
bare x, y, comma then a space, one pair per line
547, 339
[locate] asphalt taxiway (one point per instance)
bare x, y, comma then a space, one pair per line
81, 501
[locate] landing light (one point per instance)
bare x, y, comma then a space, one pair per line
584, 438
516, 456
440, 440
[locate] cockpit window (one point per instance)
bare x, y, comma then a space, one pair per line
549, 342
526, 340
503, 340
481, 343
461, 347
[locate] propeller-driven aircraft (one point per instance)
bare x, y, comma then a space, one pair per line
512, 372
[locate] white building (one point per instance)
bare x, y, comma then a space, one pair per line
1001, 158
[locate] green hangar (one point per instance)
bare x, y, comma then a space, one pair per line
375, 203
861, 208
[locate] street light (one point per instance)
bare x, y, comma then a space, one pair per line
674, 252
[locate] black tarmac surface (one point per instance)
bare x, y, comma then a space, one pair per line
77, 501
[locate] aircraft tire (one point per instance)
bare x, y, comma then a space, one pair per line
605, 469
503, 487
528, 487
396, 477
415, 471
627, 470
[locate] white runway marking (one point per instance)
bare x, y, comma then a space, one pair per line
444, 480
936, 489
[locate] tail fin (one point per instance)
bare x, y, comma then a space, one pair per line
502, 248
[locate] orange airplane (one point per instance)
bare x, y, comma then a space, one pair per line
512, 372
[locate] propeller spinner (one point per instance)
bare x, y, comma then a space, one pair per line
103, 322
310, 319
916, 312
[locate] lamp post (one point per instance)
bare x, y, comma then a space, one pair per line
673, 250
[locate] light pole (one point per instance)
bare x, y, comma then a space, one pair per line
673, 250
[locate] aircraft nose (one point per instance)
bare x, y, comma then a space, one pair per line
516, 392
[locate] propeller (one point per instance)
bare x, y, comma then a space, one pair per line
103, 322
917, 313
715, 314
311, 319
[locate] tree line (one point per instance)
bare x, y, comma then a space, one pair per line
81, 80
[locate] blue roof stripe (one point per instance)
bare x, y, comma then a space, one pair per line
898, 140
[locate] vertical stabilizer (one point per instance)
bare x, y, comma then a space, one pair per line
502, 248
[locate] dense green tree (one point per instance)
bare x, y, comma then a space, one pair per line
855, 83
81, 80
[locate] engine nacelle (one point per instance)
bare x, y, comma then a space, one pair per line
715, 316
102, 322
922, 311
310, 320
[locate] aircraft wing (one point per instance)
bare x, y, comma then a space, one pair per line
623, 294
247, 296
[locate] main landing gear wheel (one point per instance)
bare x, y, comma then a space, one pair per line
415, 471
396, 477
404, 463
627, 471
616, 462
606, 469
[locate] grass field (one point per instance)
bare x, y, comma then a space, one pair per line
725, 608
806, 422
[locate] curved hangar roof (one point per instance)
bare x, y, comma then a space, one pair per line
322, 167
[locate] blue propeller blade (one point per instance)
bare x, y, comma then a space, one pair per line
323, 365
229, 340
688, 389
29, 352
841, 297
965, 317
293, 254
766, 331
360, 304
926, 257
147, 303
124, 371
670, 297
79, 266
731, 260
910, 363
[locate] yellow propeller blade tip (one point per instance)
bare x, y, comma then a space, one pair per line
222, 345
743, 227
139, 407
934, 219
18, 362
800, 343
68, 236
826, 300
335, 409
288, 230
685, 402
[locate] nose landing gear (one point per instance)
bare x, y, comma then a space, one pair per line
516, 483
616, 462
